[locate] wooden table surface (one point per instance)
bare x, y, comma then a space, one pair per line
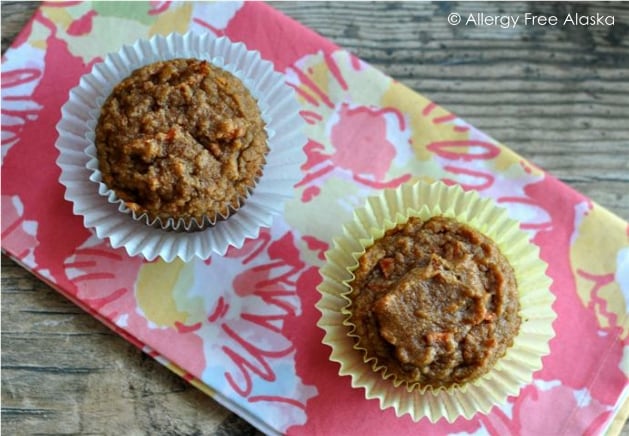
558, 96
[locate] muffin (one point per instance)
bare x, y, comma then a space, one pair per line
434, 302
122, 218
181, 139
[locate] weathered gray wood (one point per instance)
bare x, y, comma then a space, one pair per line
559, 97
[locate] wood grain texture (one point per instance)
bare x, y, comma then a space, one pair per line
558, 96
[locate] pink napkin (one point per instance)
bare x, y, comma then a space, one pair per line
242, 327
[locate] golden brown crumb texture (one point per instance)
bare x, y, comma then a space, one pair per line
435, 302
182, 139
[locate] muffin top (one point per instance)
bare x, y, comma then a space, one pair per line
182, 139
435, 302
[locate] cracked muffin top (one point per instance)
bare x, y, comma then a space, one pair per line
435, 302
181, 139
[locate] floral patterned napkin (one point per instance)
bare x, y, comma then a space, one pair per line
242, 327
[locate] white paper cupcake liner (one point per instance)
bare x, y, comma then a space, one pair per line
511, 372
109, 217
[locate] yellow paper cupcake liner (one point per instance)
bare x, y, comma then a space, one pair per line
511, 372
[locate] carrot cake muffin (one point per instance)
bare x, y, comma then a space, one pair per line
435, 302
181, 139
